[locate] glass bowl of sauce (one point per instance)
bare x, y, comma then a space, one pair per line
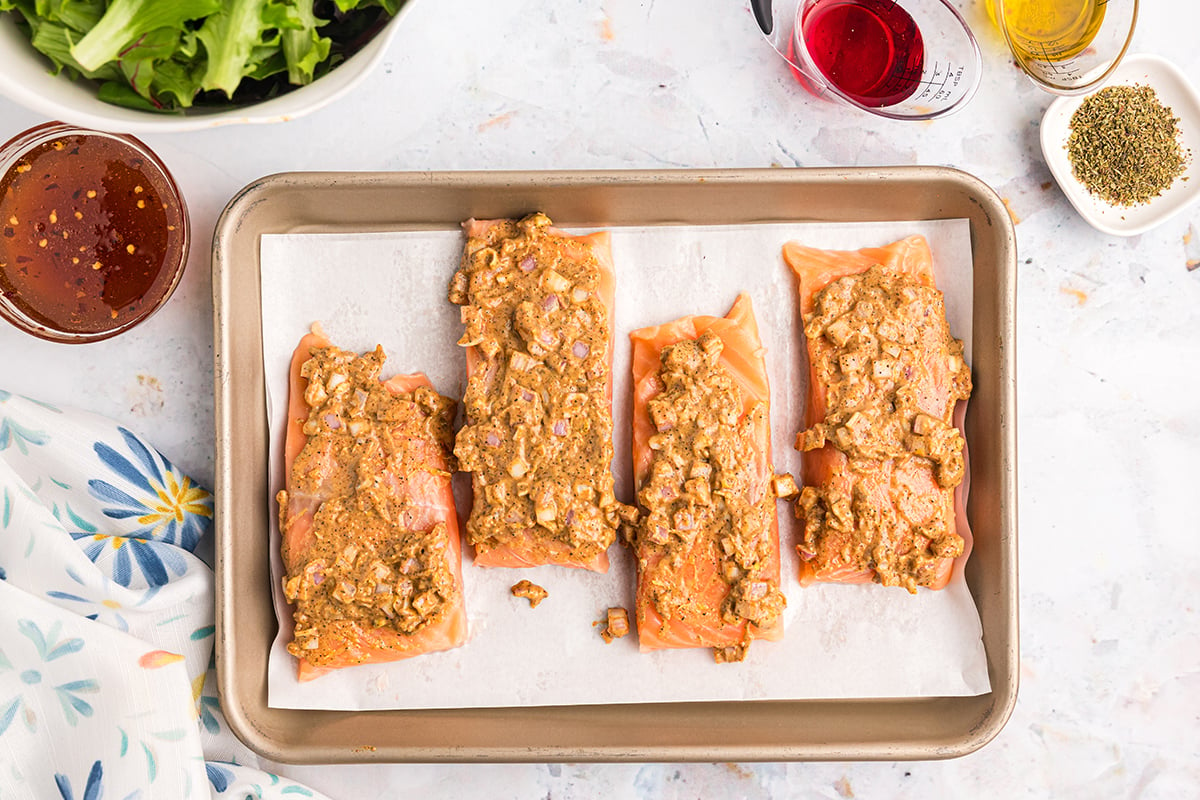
93, 233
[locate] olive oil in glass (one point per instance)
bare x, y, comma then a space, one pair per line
1048, 30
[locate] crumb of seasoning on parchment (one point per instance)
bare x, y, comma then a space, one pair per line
531, 592
616, 624
843, 787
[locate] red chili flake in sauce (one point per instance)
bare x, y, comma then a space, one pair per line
87, 225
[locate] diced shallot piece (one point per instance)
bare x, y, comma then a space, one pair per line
616, 624
784, 485
555, 282
521, 362
756, 590
659, 535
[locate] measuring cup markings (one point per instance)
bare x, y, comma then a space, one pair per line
901, 59
1066, 46
935, 86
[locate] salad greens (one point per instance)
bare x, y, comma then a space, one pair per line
172, 54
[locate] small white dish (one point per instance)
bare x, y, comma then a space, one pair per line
26, 79
1175, 92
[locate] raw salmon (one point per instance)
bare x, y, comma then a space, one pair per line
537, 308
383, 580
708, 562
890, 511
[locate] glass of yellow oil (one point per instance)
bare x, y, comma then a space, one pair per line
1066, 46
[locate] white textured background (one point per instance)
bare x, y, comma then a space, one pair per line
1108, 355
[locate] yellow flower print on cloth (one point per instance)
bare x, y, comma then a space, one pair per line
160, 511
107, 686
146, 487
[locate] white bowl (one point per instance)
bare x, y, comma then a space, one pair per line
26, 79
1175, 92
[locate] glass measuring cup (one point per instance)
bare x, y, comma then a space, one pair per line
901, 59
1066, 46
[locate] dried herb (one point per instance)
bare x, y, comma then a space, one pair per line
1124, 145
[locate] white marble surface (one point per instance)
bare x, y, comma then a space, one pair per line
1108, 354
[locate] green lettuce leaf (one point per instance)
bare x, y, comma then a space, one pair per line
390, 6
170, 54
176, 82
54, 41
139, 62
238, 38
126, 21
119, 93
304, 47
78, 15
25, 8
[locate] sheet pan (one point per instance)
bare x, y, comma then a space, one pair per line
736, 731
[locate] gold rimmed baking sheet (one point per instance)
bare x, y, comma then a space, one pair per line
746, 730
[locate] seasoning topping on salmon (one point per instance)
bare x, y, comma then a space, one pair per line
370, 537
882, 453
707, 543
536, 307
616, 624
530, 591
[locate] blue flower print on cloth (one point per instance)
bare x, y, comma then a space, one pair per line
145, 487
107, 687
74, 693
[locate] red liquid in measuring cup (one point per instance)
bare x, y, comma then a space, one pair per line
869, 49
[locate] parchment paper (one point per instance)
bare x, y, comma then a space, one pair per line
841, 641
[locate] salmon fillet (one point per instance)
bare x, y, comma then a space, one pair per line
370, 539
537, 310
883, 451
707, 546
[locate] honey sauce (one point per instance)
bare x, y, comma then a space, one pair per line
92, 233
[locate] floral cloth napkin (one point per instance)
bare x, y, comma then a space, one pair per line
107, 686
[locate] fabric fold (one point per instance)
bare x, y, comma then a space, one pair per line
107, 619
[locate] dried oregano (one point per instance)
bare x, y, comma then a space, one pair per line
1124, 145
